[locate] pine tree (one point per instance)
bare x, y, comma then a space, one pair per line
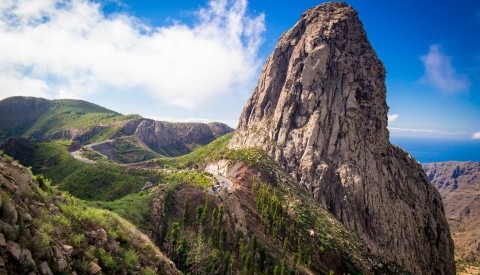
186, 213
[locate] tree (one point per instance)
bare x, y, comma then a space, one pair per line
186, 213
182, 251
173, 235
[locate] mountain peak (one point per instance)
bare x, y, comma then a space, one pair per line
320, 111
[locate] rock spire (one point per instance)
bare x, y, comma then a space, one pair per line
320, 110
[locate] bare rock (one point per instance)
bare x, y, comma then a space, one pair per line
9, 231
10, 213
15, 249
45, 269
62, 264
320, 111
459, 186
26, 217
162, 136
3, 243
101, 236
26, 258
68, 249
93, 268
147, 185
53, 209
2, 262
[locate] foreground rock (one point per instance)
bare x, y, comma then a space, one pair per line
459, 186
43, 231
320, 111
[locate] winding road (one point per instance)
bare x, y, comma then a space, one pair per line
224, 182
76, 154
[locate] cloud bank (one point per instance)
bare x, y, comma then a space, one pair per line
62, 48
440, 72
425, 132
476, 135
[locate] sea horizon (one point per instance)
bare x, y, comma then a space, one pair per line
427, 150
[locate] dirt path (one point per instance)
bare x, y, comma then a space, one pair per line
224, 182
76, 154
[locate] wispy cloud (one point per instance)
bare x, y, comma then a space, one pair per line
476, 135
392, 118
56, 48
440, 72
425, 132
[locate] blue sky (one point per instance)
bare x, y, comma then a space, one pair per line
199, 60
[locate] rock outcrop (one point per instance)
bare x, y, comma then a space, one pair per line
320, 111
174, 139
459, 186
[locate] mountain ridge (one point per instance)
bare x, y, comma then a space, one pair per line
459, 186
85, 122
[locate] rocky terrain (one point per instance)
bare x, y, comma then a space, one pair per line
459, 186
43, 231
320, 111
172, 139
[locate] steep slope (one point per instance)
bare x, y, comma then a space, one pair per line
45, 232
320, 111
459, 186
269, 223
43, 119
18, 113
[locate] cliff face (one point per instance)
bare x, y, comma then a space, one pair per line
459, 186
320, 111
177, 138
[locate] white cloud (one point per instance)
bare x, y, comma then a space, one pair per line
476, 135
440, 72
392, 118
56, 48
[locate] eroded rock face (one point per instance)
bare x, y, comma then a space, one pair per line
459, 186
175, 138
320, 110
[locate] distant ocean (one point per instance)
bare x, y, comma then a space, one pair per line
427, 150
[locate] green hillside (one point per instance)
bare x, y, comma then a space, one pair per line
43, 119
48, 231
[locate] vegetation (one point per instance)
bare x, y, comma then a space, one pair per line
62, 115
134, 207
94, 235
101, 181
197, 158
127, 151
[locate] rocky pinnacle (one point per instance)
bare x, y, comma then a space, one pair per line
320, 110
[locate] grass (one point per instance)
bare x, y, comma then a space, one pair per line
127, 151
134, 207
67, 114
197, 158
101, 181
